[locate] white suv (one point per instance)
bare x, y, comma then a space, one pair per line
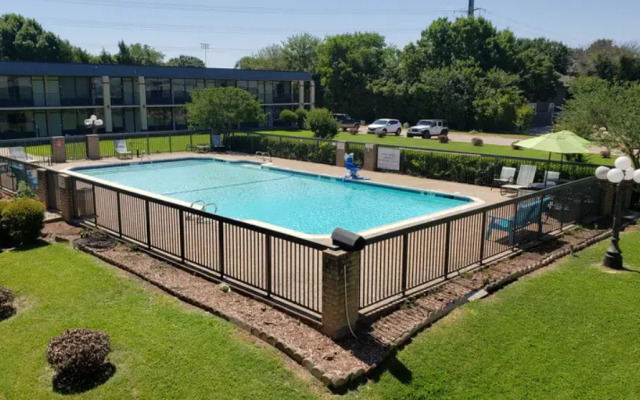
427, 128
385, 126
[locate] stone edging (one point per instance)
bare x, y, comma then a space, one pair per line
340, 382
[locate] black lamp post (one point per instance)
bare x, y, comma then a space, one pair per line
617, 177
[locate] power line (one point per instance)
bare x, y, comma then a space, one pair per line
249, 10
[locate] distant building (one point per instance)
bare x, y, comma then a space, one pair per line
53, 99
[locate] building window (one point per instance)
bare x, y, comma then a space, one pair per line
158, 91
16, 125
159, 119
16, 91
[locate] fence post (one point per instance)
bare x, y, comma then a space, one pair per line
370, 157
58, 150
512, 234
540, 217
148, 222
93, 147
43, 183
267, 249
65, 186
119, 214
221, 248
340, 292
482, 236
181, 224
170, 145
341, 150
148, 148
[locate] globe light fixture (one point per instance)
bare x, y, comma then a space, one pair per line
623, 172
93, 123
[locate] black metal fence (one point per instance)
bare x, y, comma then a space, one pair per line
283, 268
153, 142
401, 263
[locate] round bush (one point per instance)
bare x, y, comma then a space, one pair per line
606, 153
6, 296
443, 139
288, 117
477, 141
78, 351
23, 220
515, 146
322, 123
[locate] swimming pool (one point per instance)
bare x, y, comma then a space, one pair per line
312, 204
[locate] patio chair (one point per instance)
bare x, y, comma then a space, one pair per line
506, 176
528, 213
121, 149
216, 143
19, 154
22, 175
526, 175
551, 179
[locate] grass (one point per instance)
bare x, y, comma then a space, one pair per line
161, 349
569, 333
436, 145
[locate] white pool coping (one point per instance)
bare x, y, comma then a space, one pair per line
325, 238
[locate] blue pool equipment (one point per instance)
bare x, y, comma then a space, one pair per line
352, 168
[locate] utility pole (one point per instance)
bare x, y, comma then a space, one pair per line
472, 8
205, 47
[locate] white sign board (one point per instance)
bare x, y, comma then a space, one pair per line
341, 146
388, 159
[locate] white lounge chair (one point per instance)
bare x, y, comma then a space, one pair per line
121, 149
551, 179
19, 154
526, 175
506, 177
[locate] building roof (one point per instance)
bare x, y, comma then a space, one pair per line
91, 70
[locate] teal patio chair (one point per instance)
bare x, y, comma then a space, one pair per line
527, 214
22, 175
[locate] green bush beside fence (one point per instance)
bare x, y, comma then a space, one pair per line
312, 150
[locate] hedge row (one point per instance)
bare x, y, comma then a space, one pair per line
311, 150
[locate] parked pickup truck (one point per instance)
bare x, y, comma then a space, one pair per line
346, 123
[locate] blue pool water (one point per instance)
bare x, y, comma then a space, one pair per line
309, 204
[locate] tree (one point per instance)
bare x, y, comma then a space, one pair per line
322, 123
606, 112
269, 58
604, 59
347, 65
24, 39
222, 108
301, 116
497, 101
138, 54
186, 61
299, 52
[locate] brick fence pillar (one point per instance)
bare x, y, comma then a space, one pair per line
335, 307
43, 190
93, 147
341, 149
66, 185
370, 157
58, 150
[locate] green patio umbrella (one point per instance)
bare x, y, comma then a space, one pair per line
563, 142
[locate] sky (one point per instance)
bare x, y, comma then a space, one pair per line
240, 27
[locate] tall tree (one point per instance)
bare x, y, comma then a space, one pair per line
138, 54
186, 61
270, 58
347, 65
299, 52
24, 39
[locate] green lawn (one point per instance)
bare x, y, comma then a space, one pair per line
569, 333
436, 145
161, 349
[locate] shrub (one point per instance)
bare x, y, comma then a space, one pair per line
301, 115
78, 351
24, 191
23, 220
322, 123
477, 141
443, 139
606, 153
515, 146
288, 117
381, 134
406, 125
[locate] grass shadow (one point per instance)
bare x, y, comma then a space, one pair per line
6, 312
35, 245
72, 383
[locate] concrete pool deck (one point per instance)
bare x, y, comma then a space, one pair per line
480, 192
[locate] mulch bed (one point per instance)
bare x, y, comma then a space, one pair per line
335, 363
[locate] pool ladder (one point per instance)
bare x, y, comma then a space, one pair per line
200, 205
264, 155
144, 154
